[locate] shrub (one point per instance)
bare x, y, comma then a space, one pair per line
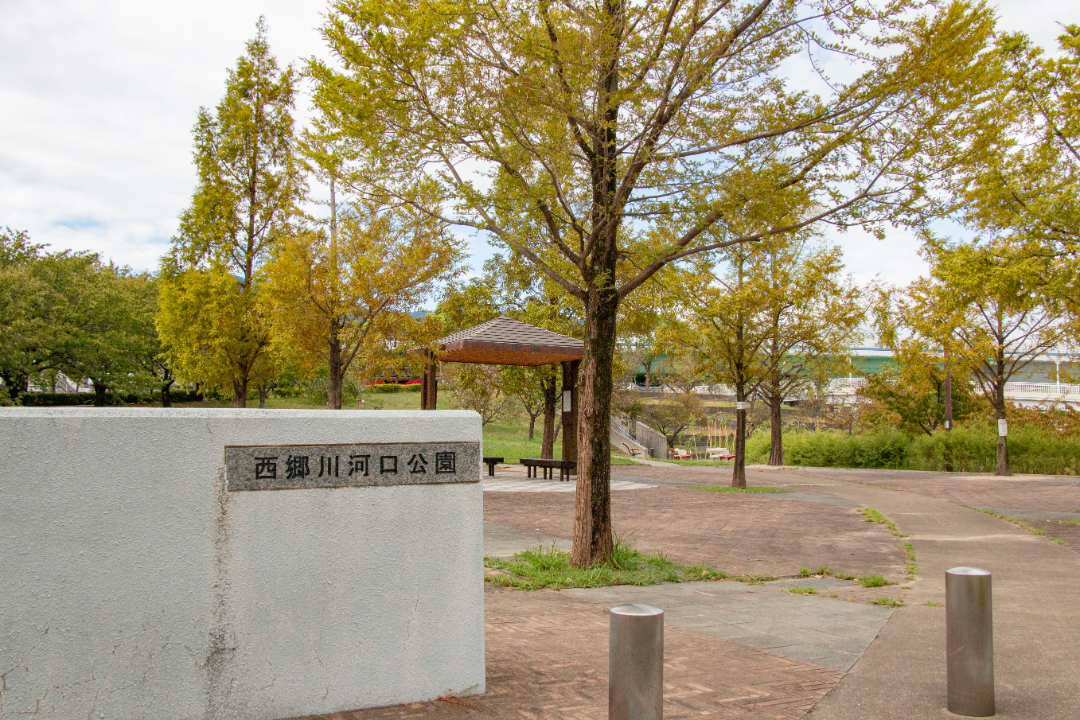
392, 388
966, 449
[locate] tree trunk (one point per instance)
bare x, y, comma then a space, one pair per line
776, 430
99, 393
1002, 466
240, 393
264, 390
592, 505
738, 472
532, 425
551, 394
333, 389
166, 393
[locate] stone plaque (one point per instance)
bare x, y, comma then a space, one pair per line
291, 467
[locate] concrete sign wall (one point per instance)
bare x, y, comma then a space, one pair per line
143, 577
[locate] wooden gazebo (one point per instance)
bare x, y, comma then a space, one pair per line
503, 341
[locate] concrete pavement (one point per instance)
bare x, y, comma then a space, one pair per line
1036, 617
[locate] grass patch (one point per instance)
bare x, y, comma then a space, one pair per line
874, 516
931, 603
551, 568
870, 581
822, 571
729, 489
883, 487
802, 590
698, 463
887, 602
1021, 523
912, 568
621, 460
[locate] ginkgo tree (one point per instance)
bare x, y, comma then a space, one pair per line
330, 294
633, 135
993, 309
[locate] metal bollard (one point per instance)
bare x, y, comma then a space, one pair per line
636, 663
969, 641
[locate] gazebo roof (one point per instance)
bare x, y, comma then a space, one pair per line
503, 341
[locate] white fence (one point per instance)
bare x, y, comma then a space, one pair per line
1042, 392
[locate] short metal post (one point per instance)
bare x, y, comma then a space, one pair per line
969, 643
636, 663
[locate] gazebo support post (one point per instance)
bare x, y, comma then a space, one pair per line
429, 384
569, 414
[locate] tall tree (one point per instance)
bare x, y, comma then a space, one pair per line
809, 314
720, 331
987, 305
330, 292
630, 135
249, 186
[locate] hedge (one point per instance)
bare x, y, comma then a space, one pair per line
962, 450
79, 399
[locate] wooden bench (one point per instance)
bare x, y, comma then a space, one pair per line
491, 462
564, 466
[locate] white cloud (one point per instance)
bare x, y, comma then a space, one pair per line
99, 100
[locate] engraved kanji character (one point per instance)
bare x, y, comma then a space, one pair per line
266, 468
358, 465
388, 464
331, 465
445, 462
417, 464
296, 466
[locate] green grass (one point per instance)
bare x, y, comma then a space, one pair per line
622, 460
931, 603
874, 516
729, 489
700, 463
912, 568
887, 602
551, 568
802, 590
1021, 523
871, 581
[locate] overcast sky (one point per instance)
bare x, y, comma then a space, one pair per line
97, 102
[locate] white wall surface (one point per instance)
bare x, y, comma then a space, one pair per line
132, 586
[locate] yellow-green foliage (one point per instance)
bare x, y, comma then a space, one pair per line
967, 449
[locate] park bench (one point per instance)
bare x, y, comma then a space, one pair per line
680, 454
565, 467
718, 454
491, 462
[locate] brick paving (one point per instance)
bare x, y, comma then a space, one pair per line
547, 651
737, 533
547, 660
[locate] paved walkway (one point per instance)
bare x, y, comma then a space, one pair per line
752, 651
826, 632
